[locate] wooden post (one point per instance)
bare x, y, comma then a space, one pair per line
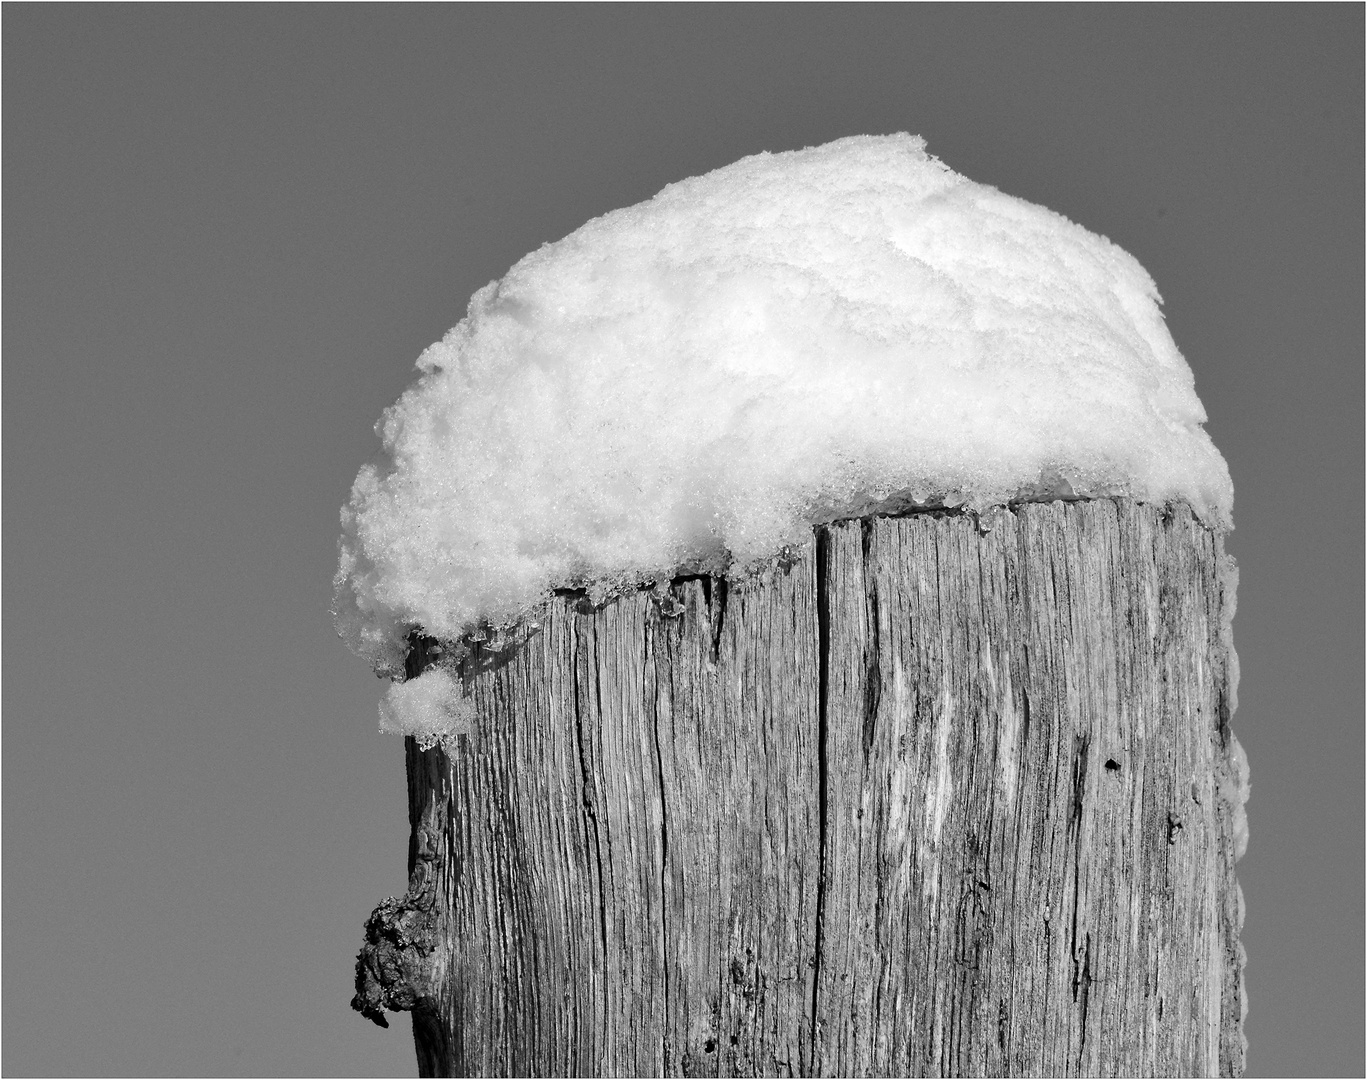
937, 797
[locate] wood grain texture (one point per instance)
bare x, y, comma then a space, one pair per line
939, 797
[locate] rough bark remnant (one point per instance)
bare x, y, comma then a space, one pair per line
940, 797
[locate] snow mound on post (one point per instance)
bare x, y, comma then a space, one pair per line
694, 381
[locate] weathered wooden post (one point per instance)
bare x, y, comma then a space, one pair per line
929, 800
937, 790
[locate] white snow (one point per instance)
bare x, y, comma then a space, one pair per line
431, 707
1235, 790
692, 382
1229, 603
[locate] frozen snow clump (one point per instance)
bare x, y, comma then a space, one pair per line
1235, 790
694, 381
430, 707
1229, 602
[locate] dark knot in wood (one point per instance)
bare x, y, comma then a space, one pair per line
394, 967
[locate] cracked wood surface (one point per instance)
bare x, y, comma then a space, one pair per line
928, 800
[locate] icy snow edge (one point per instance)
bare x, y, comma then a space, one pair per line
694, 381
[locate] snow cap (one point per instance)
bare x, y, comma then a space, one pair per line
693, 382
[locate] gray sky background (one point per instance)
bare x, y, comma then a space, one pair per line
228, 233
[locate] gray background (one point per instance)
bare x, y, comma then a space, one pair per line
228, 232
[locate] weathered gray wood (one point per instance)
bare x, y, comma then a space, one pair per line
940, 797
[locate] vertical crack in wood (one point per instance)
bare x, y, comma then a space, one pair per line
873, 681
590, 812
646, 663
823, 652
716, 590
1078, 830
1083, 984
